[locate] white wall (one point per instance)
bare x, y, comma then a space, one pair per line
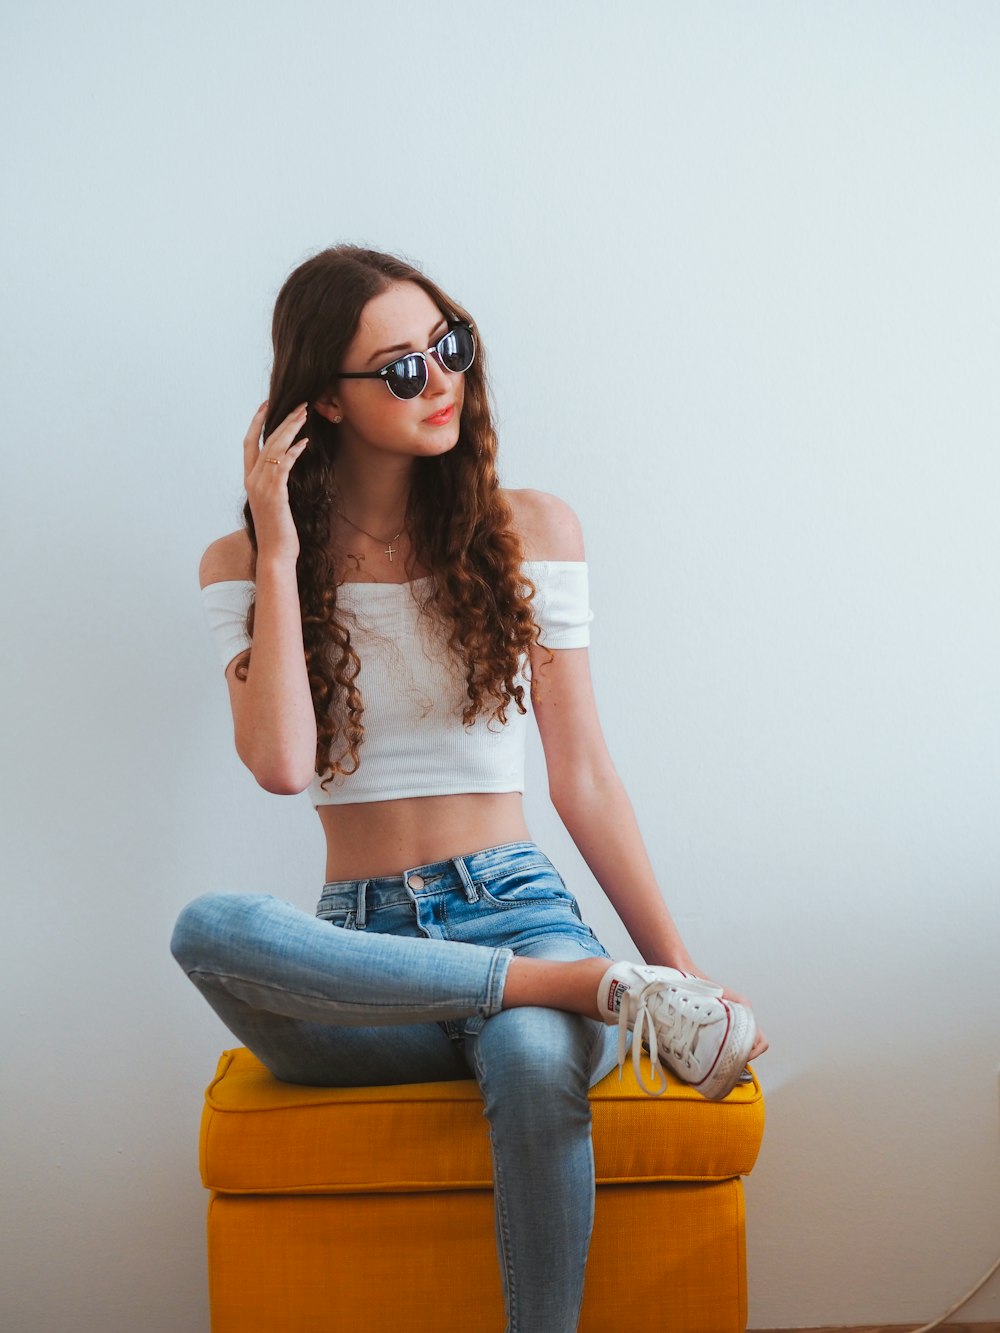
736, 269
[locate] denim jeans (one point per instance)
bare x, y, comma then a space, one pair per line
399, 979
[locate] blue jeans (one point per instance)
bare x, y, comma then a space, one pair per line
407, 987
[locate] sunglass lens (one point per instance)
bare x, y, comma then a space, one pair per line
457, 348
407, 376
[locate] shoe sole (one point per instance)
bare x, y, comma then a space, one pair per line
733, 1055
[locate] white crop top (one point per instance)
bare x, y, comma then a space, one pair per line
415, 742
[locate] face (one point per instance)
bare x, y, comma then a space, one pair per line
401, 319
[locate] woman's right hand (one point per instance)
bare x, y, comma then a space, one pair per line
265, 476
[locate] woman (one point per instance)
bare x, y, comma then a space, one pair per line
384, 618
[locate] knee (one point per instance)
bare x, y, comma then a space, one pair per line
540, 1059
205, 924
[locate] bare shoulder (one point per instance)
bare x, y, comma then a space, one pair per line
228, 558
547, 526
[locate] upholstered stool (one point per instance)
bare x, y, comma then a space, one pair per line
370, 1209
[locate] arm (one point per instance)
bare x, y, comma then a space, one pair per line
273, 718
584, 786
592, 803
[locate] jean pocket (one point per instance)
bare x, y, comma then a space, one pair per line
521, 888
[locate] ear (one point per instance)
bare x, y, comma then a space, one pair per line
327, 406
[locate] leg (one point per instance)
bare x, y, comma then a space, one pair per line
323, 1056
273, 957
534, 1067
334, 1007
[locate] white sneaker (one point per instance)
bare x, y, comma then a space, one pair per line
704, 1039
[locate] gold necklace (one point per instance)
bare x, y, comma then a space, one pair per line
389, 548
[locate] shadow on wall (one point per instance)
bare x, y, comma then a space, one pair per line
885, 1160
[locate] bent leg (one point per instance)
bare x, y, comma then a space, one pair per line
332, 1007
317, 1054
272, 956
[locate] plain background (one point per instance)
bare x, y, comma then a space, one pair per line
735, 268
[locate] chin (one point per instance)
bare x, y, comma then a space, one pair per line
438, 441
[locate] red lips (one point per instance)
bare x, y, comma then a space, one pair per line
439, 418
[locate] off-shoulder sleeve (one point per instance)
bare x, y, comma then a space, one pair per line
226, 606
561, 602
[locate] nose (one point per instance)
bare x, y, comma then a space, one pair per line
438, 378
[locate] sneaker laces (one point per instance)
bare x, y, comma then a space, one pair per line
684, 1023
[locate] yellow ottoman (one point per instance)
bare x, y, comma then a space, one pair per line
370, 1209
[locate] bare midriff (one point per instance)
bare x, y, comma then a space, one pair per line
374, 838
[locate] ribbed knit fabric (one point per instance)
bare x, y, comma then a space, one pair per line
415, 742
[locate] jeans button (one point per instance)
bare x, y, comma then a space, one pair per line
415, 881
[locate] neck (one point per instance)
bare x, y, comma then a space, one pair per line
374, 495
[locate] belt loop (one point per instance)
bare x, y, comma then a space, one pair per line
471, 892
360, 918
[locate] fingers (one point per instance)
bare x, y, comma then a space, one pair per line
277, 454
251, 441
275, 471
278, 447
760, 1042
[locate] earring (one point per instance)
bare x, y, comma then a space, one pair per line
337, 420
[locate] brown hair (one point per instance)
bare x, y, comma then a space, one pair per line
457, 519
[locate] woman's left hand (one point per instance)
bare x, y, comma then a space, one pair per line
761, 1043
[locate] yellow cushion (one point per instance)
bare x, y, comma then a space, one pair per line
664, 1257
261, 1136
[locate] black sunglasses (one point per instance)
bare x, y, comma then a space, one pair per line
407, 377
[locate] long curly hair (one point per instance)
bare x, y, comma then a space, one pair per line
457, 519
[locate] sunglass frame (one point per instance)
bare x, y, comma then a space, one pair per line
434, 351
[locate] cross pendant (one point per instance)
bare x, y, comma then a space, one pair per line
389, 551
